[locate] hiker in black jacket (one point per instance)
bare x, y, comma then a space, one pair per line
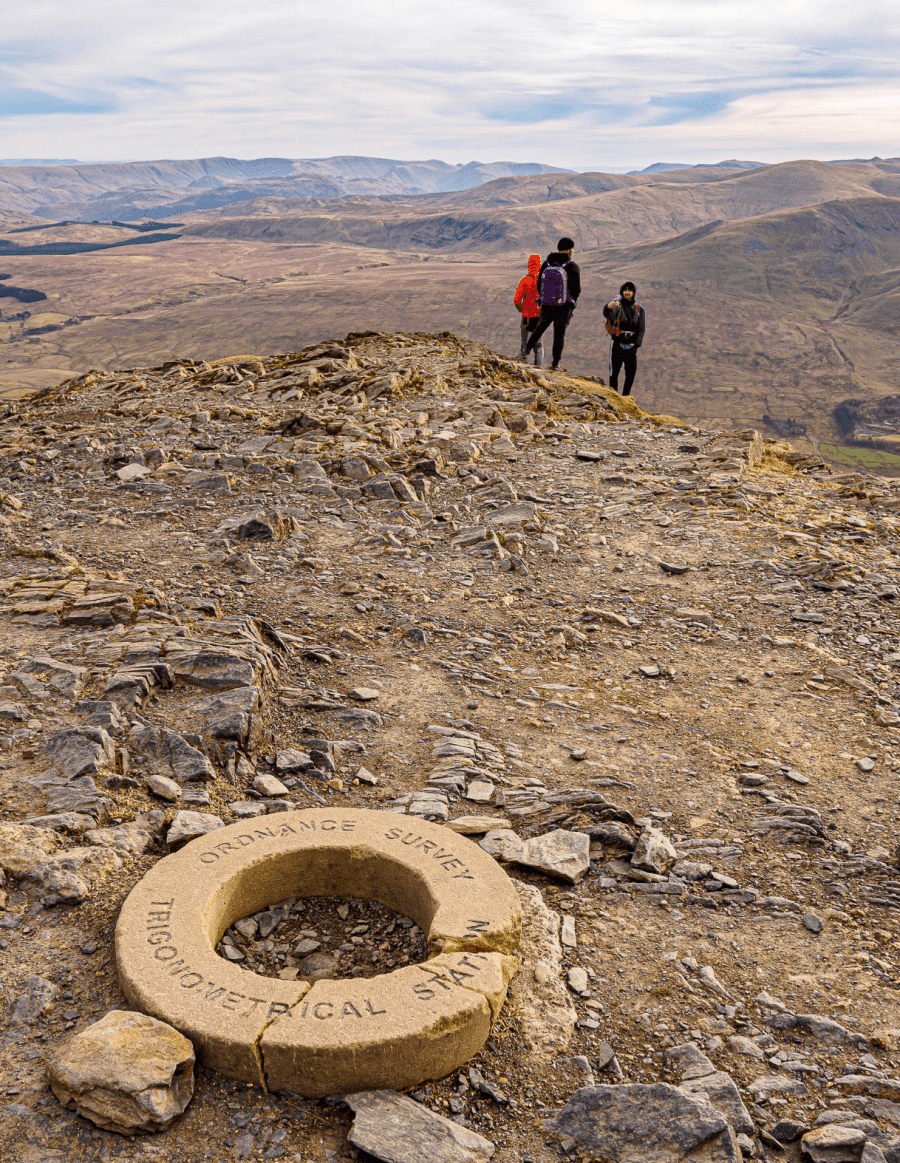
558, 292
625, 322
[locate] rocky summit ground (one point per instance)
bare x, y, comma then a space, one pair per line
400, 572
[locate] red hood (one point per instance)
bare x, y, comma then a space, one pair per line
534, 264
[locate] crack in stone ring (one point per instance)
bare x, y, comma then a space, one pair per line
336, 1036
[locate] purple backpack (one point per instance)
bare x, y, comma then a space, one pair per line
554, 287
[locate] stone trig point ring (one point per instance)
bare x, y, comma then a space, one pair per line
334, 1036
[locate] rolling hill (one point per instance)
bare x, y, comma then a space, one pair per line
623, 211
772, 293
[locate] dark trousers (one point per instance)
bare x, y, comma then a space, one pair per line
620, 357
560, 317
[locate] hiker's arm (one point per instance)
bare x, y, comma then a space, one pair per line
519, 296
574, 280
639, 334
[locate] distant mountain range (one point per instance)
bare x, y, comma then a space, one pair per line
772, 292
510, 215
665, 167
165, 189
39, 161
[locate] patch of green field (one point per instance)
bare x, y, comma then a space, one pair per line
871, 458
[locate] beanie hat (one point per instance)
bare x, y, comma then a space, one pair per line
628, 287
565, 243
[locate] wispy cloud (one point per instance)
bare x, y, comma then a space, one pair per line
578, 85
526, 109
30, 102
677, 108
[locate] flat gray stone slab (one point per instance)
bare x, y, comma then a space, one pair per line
396, 1129
646, 1123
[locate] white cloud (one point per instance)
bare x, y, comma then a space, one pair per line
581, 84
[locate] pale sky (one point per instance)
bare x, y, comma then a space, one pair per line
574, 83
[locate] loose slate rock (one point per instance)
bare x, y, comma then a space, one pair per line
172, 755
396, 1129
721, 1091
65, 679
477, 825
502, 844
822, 1028
268, 785
646, 1123
67, 876
834, 1144
654, 852
559, 853
22, 846
131, 838
289, 760
690, 1062
888, 1088
228, 714
82, 796
37, 999
189, 825
578, 979
317, 967
126, 1073
738, 1044
166, 789
774, 1084
788, 1130
78, 751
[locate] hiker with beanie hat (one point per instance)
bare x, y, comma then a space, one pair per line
526, 301
559, 285
625, 322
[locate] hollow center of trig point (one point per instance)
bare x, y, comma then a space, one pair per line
313, 938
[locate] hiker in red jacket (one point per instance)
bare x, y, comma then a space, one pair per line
625, 323
526, 301
559, 285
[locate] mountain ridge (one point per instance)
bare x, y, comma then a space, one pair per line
128, 189
772, 294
